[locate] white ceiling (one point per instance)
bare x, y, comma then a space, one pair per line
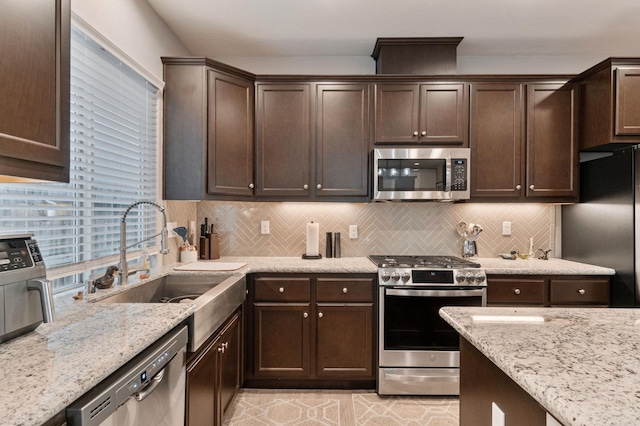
247, 28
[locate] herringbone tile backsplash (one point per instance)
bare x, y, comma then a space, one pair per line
384, 228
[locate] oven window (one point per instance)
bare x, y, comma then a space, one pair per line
413, 323
412, 175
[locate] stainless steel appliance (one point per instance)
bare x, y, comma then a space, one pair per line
25, 294
416, 174
419, 352
147, 391
604, 228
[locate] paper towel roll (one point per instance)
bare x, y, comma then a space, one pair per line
313, 239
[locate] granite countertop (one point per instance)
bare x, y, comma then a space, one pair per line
582, 365
42, 372
46, 370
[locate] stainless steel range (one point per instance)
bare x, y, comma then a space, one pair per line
418, 351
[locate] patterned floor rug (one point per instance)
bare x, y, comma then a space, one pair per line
256, 407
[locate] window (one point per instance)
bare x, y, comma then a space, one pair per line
114, 124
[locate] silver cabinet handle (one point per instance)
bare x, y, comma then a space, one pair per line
251, 185
423, 133
221, 349
415, 133
345, 290
516, 291
305, 315
582, 291
305, 186
320, 314
281, 289
531, 187
518, 187
225, 345
319, 186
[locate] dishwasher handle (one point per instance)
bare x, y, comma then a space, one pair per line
153, 384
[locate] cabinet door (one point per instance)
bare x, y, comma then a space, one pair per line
627, 112
202, 387
230, 135
281, 340
342, 140
34, 82
444, 116
497, 142
516, 291
397, 109
283, 140
230, 365
345, 341
552, 141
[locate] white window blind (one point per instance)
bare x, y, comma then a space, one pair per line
114, 138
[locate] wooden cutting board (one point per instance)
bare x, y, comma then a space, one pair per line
210, 266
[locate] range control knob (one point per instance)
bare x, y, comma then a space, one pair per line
460, 277
470, 277
480, 277
385, 276
406, 276
395, 276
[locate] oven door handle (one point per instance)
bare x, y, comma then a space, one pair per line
433, 293
405, 378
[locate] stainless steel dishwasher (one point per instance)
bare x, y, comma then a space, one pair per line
148, 390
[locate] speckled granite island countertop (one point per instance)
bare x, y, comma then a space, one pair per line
44, 371
581, 365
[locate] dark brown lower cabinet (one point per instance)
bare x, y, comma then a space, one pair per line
214, 375
311, 331
483, 383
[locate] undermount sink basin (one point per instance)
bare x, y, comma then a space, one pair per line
216, 297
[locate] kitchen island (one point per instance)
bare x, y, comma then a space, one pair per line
580, 365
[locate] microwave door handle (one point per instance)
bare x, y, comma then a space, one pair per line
433, 293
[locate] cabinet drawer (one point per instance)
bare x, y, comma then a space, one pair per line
282, 290
516, 292
341, 290
579, 292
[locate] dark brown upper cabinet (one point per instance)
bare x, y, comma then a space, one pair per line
610, 104
524, 151
34, 82
208, 130
430, 114
313, 141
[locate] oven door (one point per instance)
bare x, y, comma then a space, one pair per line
412, 333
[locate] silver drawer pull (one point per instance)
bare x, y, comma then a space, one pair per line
305, 315
582, 291
516, 291
281, 289
320, 314
345, 290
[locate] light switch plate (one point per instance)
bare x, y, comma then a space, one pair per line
170, 227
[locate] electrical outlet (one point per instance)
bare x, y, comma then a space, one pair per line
497, 415
506, 228
170, 227
353, 232
264, 227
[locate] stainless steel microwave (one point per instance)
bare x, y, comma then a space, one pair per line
421, 174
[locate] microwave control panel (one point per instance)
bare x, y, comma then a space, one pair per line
19, 254
458, 174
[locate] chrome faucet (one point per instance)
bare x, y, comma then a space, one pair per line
164, 234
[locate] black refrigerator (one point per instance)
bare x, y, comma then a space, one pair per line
603, 228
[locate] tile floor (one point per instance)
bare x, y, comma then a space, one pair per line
253, 407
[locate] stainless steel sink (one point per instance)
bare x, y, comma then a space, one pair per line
216, 297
